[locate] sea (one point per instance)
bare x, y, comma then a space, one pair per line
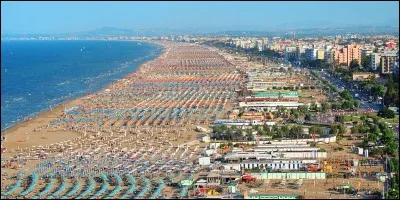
37, 75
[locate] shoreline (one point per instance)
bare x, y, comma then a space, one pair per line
47, 113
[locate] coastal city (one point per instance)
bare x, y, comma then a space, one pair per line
220, 117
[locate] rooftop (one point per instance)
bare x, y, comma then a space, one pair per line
275, 94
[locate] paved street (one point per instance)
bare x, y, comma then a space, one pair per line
364, 104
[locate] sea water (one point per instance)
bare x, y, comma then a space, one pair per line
38, 74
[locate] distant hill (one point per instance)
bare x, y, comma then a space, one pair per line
224, 31
112, 31
365, 30
107, 31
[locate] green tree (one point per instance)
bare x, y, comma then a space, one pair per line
296, 131
341, 129
387, 137
373, 128
307, 117
357, 103
346, 95
334, 129
368, 87
375, 119
249, 135
347, 105
239, 133
355, 129
316, 129
284, 131
302, 108
314, 106
391, 147
262, 132
386, 113
391, 97
355, 65
373, 137
313, 129
393, 194
378, 91
366, 61
372, 80
339, 118
324, 107
294, 113
336, 106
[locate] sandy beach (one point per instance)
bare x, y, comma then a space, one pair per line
142, 126
23, 135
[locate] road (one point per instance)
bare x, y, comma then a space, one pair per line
364, 104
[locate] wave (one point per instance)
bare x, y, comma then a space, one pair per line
19, 99
64, 83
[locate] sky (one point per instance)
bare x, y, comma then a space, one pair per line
66, 17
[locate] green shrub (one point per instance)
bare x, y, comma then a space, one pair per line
339, 149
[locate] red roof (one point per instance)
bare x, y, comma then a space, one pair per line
390, 44
247, 177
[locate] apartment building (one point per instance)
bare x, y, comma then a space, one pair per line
375, 60
354, 53
298, 52
275, 47
311, 54
366, 52
260, 45
289, 55
320, 54
347, 54
388, 61
328, 56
